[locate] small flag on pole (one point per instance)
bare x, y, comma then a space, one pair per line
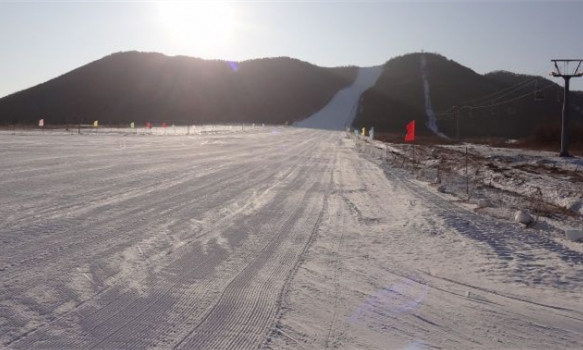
163, 125
41, 123
410, 132
132, 125
95, 124
148, 125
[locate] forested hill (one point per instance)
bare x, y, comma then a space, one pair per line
497, 104
151, 87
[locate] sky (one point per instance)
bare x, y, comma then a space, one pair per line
41, 40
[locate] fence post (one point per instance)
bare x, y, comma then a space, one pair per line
467, 175
438, 170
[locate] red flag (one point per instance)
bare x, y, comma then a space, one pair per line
163, 125
148, 125
410, 132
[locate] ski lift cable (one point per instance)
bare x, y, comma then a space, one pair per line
526, 84
504, 92
508, 101
451, 115
493, 101
482, 99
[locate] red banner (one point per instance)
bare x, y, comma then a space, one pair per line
148, 125
163, 125
410, 132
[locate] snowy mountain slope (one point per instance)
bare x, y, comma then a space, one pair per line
341, 110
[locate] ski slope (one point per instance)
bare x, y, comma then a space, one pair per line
273, 238
341, 110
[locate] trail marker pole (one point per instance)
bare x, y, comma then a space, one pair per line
566, 75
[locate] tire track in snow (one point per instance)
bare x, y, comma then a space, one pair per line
141, 306
259, 179
391, 274
136, 204
123, 175
515, 255
137, 344
243, 314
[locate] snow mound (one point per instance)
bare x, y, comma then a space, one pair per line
483, 203
574, 235
523, 217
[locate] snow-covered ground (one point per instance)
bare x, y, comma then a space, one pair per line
274, 238
245, 237
398, 265
503, 180
341, 110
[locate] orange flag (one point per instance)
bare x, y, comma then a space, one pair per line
410, 132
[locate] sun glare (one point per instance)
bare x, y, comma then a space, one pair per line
197, 26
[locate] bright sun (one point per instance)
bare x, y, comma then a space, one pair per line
200, 26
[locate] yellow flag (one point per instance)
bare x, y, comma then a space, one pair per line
132, 125
95, 124
363, 131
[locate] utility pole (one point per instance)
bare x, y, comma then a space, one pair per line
566, 75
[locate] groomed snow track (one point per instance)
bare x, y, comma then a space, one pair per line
275, 238
169, 242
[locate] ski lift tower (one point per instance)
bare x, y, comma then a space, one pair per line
563, 71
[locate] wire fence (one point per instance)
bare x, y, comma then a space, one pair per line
469, 177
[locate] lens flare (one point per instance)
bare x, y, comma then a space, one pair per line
392, 300
197, 27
